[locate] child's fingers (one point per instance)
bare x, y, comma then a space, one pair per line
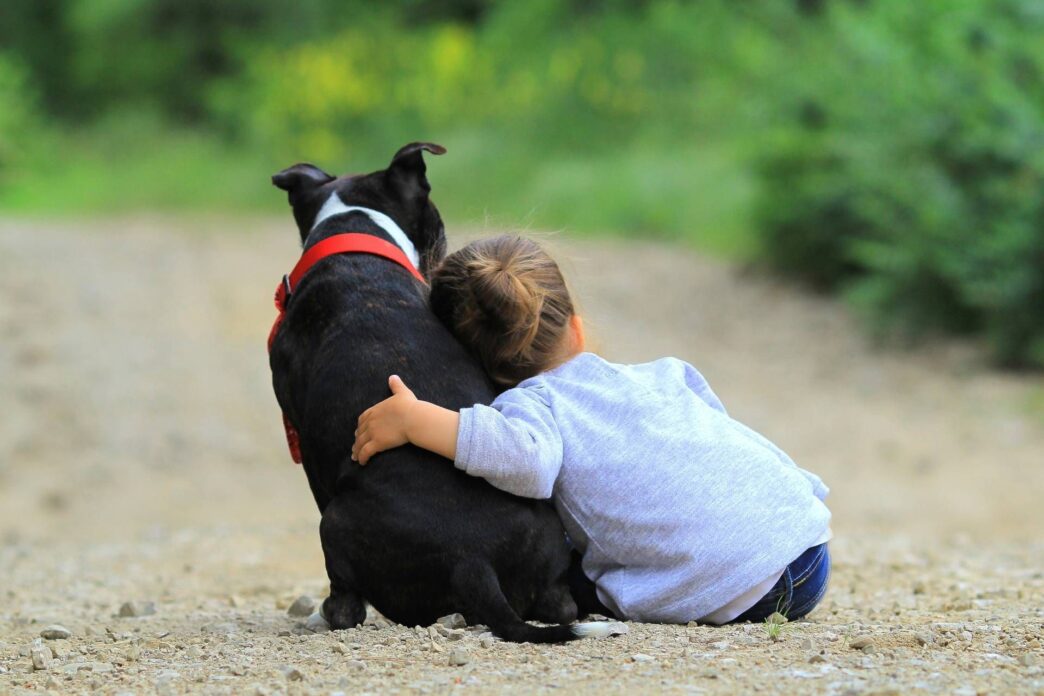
365, 416
366, 452
361, 438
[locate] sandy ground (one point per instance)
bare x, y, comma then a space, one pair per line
141, 460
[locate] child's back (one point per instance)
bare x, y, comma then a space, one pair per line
677, 508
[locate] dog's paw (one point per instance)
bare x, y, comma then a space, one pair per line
316, 623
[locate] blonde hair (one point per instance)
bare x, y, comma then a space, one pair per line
505, 299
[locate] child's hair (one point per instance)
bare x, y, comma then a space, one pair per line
505, 299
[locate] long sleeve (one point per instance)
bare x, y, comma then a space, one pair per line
513, 443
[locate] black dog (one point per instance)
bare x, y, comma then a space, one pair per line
410, 533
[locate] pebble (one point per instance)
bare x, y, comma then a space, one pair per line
455, 634
1027, 659
641, 657
316, 623
818, 657
861, 643
452, 621
137, 609
357, 664
807, 644
340, 648
41, 657
924, 637
777, 618
302, 606
293, 674
55, 632
720, 645
486, 641
458, 657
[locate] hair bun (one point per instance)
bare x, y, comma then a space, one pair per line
509, 301
505, 299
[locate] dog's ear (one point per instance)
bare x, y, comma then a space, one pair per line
407, 170
301, 177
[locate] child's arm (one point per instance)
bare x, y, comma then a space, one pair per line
514, 444
403, 418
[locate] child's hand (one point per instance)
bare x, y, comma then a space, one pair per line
385, 425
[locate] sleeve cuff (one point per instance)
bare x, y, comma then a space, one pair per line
465, 428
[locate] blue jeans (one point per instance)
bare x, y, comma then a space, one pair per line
798, 590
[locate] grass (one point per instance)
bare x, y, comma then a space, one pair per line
695, 195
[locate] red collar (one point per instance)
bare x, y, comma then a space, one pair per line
347, 243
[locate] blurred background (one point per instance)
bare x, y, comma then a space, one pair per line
889, 151
773, 190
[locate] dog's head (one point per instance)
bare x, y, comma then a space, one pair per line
400, 192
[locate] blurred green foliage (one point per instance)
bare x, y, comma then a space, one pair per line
885, 149
911, 173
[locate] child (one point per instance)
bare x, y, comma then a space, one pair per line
680, 512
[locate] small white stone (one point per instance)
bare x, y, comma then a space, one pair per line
41, 657
458, 657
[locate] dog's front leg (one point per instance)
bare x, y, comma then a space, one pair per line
344, 608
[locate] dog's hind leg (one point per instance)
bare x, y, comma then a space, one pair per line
554, 605
344, 608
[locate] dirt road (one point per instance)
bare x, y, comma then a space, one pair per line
141, 459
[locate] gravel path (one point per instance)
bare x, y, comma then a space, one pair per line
152, 524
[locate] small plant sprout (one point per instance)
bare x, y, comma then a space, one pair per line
774, 624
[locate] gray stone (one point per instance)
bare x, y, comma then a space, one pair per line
924, 637
861, 643
720, 645
41, 657
317, 624
137, 609
458, 657
486, 641
302, 606
1027, 659
452, 621
641, 657
817, 658
55, 632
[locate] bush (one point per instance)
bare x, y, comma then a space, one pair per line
910, 172
18, 116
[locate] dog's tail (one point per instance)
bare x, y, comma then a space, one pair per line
478, 582
519, 631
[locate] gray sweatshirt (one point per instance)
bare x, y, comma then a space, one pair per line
677, 508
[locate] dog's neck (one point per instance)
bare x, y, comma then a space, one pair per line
335, 206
